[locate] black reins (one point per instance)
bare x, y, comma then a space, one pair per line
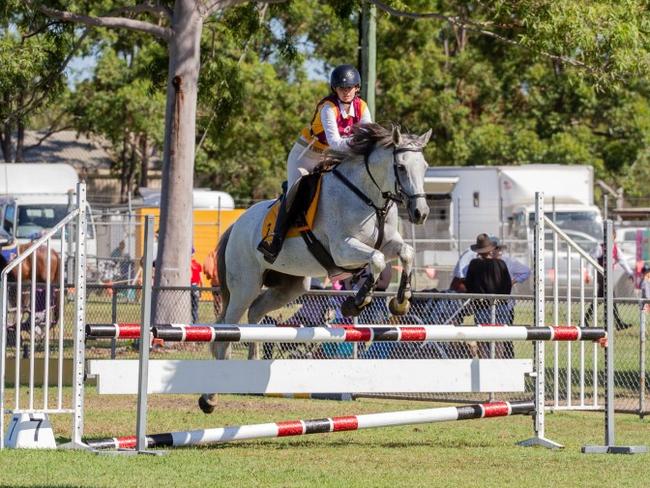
389, 197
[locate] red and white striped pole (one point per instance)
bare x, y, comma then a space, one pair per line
320, 426
440, 333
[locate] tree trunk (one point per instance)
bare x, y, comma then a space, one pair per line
132, 164
5, 143
144, 165
20, 141
123, 166
7, 133
7, 151
20, 132
175, 244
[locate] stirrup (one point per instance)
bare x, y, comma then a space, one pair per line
269, 255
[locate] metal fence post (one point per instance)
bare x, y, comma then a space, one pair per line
642, 345
113, 320
355, 345
69, 262
610, 446
610, 425
539, 438
460, 243
3, 353
569, 354
145, 339
556, 321
79, 332
493, 320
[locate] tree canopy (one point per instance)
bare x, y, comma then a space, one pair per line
503, 82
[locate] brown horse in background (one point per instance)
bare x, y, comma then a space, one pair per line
25, 268
25, 272
41, 265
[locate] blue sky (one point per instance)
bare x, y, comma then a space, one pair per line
79, 69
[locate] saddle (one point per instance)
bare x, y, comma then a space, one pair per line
304, 197
303, 200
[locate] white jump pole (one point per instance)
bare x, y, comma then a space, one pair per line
319, 426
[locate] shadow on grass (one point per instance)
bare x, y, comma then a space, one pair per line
336, 444
345, 443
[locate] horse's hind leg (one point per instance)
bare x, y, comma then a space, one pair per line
234, 313
290, 288
240, 300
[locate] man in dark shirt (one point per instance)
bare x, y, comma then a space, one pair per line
488, 276
485, 274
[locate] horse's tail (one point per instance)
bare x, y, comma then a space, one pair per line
221, 272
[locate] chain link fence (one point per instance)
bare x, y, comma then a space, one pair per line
575, 373
436, 251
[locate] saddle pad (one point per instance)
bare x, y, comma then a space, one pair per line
294, 231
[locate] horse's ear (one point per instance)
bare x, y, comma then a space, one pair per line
424, 138
397, 135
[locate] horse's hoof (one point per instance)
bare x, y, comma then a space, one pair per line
205, 406
349, 308
397, 308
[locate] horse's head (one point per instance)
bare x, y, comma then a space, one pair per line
409, 169
394, 163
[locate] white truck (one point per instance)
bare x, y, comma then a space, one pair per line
500, 201
35, 196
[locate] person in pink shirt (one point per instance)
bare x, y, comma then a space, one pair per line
195, 283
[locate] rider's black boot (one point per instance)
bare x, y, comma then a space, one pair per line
271, 245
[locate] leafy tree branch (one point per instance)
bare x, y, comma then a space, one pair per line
108, 21
210, 7
478, 28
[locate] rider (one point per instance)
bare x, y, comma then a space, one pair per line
330, 128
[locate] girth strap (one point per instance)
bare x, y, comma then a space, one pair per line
323, 256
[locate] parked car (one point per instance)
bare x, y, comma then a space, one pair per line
628, 239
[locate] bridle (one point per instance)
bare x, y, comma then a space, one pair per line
389, 197
399, 188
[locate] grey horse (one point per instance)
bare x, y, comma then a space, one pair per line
383, 167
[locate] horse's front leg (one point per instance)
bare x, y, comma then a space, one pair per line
401, 303
350, 253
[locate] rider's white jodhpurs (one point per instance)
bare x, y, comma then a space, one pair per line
301, 161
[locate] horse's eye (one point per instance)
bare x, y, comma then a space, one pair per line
401, 168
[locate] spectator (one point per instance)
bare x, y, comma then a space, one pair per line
621, 260
460, 270
645, 286
118, 256
195, 284
488, 276
519, 273
118, 252
155, 245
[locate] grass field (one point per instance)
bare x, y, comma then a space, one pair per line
475, 453
466, 453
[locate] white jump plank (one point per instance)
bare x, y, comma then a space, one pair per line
315, 376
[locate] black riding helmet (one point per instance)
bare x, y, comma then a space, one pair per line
344, 76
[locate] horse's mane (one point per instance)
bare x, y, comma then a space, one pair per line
365, 137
